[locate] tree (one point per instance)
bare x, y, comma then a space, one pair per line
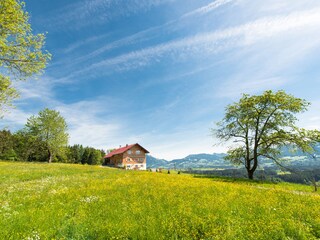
29, 147
6, 141
91, 156
96, 157
261, 125
6, 145
50, 127
21, 52
75, 153
85, 156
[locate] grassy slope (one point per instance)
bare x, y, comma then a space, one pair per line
60, 201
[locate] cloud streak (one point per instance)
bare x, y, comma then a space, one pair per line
141, 36
212, 42
89, 12
208, 8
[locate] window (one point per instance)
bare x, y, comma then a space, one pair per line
138, 152
129, 151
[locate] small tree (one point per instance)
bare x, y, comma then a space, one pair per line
261, 125
50, 127
21, 52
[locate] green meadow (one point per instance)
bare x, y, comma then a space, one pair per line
62, 201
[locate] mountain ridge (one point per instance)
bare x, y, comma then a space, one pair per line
216, 160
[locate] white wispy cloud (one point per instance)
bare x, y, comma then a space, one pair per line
208, 8
15, 119
87, 126
311, 118
88, 12
270, 66
41, 88
34, 93
87, 121
141, 36
212, 42
76, 45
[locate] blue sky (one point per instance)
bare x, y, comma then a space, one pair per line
160, 72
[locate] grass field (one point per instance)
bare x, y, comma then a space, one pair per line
61, 201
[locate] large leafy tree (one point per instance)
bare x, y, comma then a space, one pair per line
21, 51
261, 125
51, 128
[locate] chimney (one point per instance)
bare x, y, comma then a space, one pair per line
119, 146
127, 145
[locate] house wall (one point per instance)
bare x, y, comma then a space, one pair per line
134, 159
116, 160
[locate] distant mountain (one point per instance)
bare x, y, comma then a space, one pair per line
153, 162
287, 151
215, 160
203, 160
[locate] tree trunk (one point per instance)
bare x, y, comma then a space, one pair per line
50, 156
253, 169
314, 183
250, 174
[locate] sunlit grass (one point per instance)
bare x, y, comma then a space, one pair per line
61, 201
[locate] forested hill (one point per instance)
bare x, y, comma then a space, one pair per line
215, 160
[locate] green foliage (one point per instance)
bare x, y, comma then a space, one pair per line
6, 143
29, 147
51, 128
92, 156
26, 145
21, 52
261, 126
7, 94
62, 201
75, 153
85, 156
7, 146
96, 157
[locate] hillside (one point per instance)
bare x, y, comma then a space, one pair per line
62, 201
215, 160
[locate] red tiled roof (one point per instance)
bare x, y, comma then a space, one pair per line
122, 150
